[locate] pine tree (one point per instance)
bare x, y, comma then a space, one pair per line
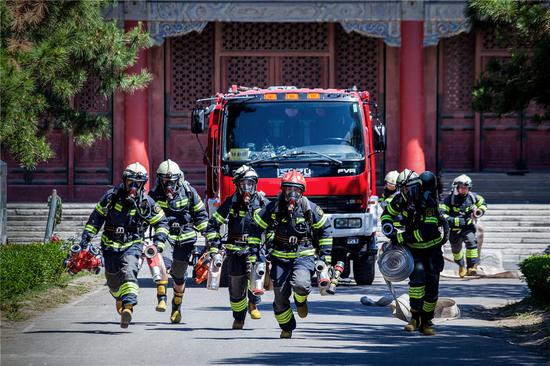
523, 28
48, 50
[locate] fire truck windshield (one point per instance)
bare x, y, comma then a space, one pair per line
264, 130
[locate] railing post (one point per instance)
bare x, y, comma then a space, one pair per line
3, 202
53, 202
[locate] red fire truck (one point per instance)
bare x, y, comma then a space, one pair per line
326, 134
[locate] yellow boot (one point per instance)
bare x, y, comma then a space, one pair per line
126, 316
472, 271
427, 328
462, 272
175, 317
414, 323
253, 311
161, 296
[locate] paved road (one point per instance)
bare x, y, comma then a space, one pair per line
338, 331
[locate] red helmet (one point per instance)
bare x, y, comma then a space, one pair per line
294, 179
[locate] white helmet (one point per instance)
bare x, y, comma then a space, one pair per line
461, 180
137, 174
248, 173
391, 177
169, 170
405, 176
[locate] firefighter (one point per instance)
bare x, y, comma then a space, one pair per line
423, 236
461, 208
239, 210
127, 212
390, 188
186, 215
300, 227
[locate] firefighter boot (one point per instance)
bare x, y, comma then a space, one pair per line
472, 271
414, 324
286, 334
161, 296
253, 311
126, 315
238, 324
426, 326
462, 271
175, 317
301, 305
118, 304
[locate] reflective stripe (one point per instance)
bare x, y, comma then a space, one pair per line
429, 306
325, 241
270, 235
239, 306
126, 288
386, 217
391, 210
319, 224
133, 212
219, 218
211, 236
117, 245
213, 250
425, 244
300, 219
199, 206
156, 218
118, 207
417, 292
100, 209
182, 203
417, 235
184, 236
242, 213
202, 225
399, 238
458, 256
91, 229
432, 220
161, 230
230, 246
300, 298
161, 246
284, 317
258, 220
457, 221
163, 204
291, 255
444, 207
253, 240
471, 253
328, 259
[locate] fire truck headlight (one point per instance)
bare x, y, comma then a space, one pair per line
347, 223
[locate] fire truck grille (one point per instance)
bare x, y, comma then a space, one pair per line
332, 204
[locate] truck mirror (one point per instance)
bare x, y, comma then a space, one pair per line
379, 137
198, 120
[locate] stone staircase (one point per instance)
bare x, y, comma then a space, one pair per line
512, 233
506, 188
27, 221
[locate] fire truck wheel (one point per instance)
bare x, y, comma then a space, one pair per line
363, 269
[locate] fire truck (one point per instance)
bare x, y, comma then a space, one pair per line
326, 134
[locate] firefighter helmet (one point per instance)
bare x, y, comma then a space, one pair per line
391, 177
169, 170
463, 180
294, 178
134, 177
245, 179
405, 176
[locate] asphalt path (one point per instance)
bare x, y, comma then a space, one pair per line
338, 331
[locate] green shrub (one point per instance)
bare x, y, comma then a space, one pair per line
536, 270
24, 267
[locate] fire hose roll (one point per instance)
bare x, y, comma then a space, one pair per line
396, 263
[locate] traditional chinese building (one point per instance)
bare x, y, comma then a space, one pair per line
419, 60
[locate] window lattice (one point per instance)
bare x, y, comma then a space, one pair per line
248, 71
357, 60
192, 65
458, 60
89, 100
302, 72
275, 36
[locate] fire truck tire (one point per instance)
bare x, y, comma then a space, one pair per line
363, 269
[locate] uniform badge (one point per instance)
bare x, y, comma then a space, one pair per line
156, 208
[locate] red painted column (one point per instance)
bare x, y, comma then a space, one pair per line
136, 124
411, 95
